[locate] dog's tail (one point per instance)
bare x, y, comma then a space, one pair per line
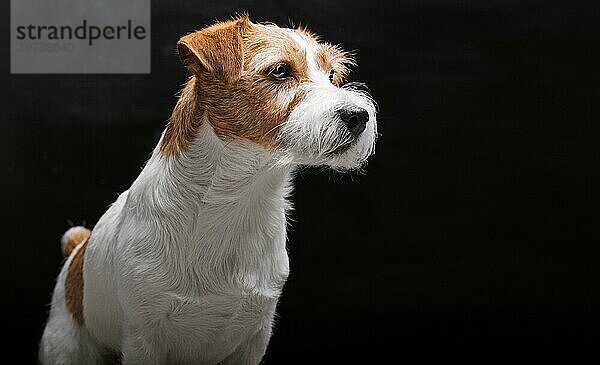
73, 237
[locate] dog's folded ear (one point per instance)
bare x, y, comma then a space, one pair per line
216, 49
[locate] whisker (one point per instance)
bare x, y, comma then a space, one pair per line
357, 86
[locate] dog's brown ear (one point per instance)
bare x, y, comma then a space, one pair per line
216, 49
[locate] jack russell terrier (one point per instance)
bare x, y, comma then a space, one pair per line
188, 264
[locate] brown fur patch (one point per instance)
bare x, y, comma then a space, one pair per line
184, 122
268, 45
216, 49
330, 57
74, 285
322, 59
255, 105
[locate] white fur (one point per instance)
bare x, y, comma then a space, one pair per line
188, 264
312, 131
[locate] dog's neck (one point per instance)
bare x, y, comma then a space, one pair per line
210, 169
222, 200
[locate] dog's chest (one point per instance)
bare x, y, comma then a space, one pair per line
230, 279
213, 273
215, 322
226, 316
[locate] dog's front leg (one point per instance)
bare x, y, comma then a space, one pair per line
251, 351
140, 348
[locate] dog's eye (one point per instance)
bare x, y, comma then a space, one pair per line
331, 75
280, 71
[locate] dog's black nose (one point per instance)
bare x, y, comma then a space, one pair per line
355, 118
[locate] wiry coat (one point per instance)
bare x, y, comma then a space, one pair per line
188, 264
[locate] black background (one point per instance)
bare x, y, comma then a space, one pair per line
472, 234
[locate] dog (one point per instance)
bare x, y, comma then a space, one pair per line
187, 265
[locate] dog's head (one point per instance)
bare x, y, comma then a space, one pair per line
282, 89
